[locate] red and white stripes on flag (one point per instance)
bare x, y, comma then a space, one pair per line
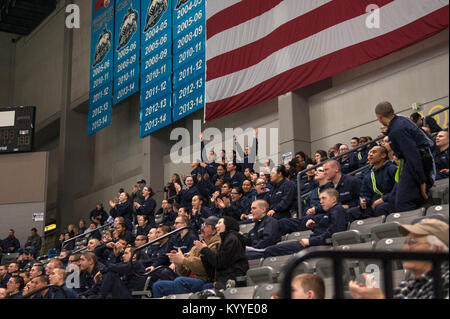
260, 49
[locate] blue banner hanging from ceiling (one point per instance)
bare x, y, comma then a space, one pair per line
156, 62
189, 54
101, 65
126, 49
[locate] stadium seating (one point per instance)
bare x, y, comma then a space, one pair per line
9, 258
405, 217
346, 238
297, 235
385, 230
438, 210
364, 226
265, 291
239, 293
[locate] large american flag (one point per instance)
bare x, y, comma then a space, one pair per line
260, 49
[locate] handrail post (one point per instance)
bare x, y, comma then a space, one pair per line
387, 278
338, 278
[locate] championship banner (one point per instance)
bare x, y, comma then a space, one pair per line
156, 61
101, 73
189, 57
126, 49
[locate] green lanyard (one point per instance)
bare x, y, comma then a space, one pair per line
359, 156
318, 191
374, 183
401, 162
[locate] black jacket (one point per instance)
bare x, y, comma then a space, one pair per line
124, 210
238, 208
229, 261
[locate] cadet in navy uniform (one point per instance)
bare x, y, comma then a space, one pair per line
119, 280
307, 181
233, 176
376, 186
248, 158
348, 186
183, 239
323, 226
266, 231
184, 196
157, 254
89, 267
238, 205
199, 212
147, 207
290, 225
282, 197
413, 149
440, 155
123, 209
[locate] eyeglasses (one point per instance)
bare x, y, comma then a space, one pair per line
414, 242
320, 170
259, 184
234, 193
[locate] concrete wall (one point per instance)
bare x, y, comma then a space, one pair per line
6, 69
23, 192
38, 67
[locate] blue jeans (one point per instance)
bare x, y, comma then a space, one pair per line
181, 285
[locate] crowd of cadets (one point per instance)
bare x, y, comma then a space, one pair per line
232, 193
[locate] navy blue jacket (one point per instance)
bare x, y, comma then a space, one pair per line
196, 220
157, 255
265, 233
132, 282
87, 285
350, 164
385, 181
9, 243
148, 208
206, 188
5, 280
251, 195
236, 180
307, 185
441, 161
282, 198
313, 199
214, 180
246, 163
327, 224
184, 197
238, 208
105, 255
184, 243
124, 210
349, 188
71, 293
406, 138
169, 218
143, 230
262, 196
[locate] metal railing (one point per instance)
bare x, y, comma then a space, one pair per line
84, 234
353, 150
386, 256
149, 244
45, 288
433, 114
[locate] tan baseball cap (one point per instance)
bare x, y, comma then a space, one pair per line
427, 226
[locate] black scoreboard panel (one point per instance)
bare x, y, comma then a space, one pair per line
17, 129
